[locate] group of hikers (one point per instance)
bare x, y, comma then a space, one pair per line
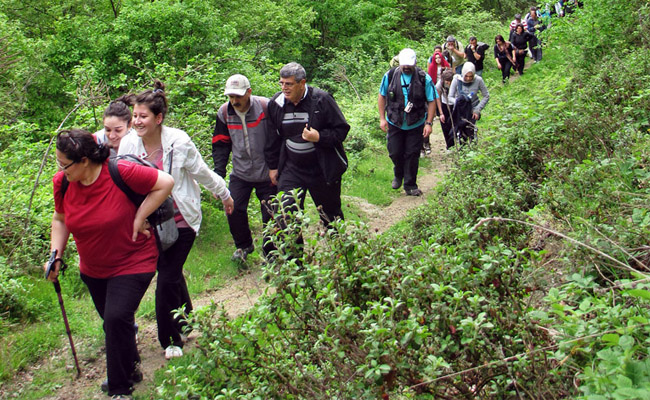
291, 143
451, 89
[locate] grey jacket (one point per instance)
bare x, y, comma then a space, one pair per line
247, 162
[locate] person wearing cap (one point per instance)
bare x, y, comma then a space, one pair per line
407, 102
453, 50
241, 128
306, 152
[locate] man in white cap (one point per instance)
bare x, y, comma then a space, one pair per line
242, 128
407, 102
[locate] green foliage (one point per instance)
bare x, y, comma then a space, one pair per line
612, 327
356, 317
565, 146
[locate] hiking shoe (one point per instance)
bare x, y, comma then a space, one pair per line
173, 352
241, 254
413, 192
121, 397
422, 153
396, 183
427, 148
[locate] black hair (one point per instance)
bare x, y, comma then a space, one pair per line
499, 38
79, 143
154, 99
472, 38
121, 108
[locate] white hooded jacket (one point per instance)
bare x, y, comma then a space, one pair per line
187, 168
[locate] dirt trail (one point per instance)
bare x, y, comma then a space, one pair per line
236, 296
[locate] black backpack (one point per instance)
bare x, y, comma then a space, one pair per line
162, 219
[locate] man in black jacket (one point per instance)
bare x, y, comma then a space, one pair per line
307, 151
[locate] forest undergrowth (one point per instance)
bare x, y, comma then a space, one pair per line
525, 275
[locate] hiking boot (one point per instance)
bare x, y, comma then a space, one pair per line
413, 192
121, 397
396, 184
422, 153
173, 352
241, 254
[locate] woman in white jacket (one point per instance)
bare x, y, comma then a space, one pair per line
173, 151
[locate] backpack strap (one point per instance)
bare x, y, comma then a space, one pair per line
391, 72
113, 169
64, 185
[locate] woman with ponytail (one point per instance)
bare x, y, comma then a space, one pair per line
173, 151
117, 122
117, 248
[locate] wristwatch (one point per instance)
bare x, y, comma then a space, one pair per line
429, 123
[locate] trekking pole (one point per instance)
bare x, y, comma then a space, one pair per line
57, 287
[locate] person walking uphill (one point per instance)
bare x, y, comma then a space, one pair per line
306, 152
241, 128
467, 87
407, 102
116, 246
172, 150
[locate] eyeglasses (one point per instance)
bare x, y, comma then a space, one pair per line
64, 167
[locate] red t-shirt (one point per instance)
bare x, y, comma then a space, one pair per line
100, 218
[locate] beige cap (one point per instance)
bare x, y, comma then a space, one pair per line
237, 85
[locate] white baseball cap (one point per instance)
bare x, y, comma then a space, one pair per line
237, 85
407, 57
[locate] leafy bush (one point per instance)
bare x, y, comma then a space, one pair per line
359, 317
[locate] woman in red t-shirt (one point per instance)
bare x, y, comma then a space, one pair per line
117, 250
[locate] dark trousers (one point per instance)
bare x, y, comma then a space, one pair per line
327, 197
536, 49
446, 126
240, 190
404, 151
116, 300
520, 60
506, 66
171, 289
